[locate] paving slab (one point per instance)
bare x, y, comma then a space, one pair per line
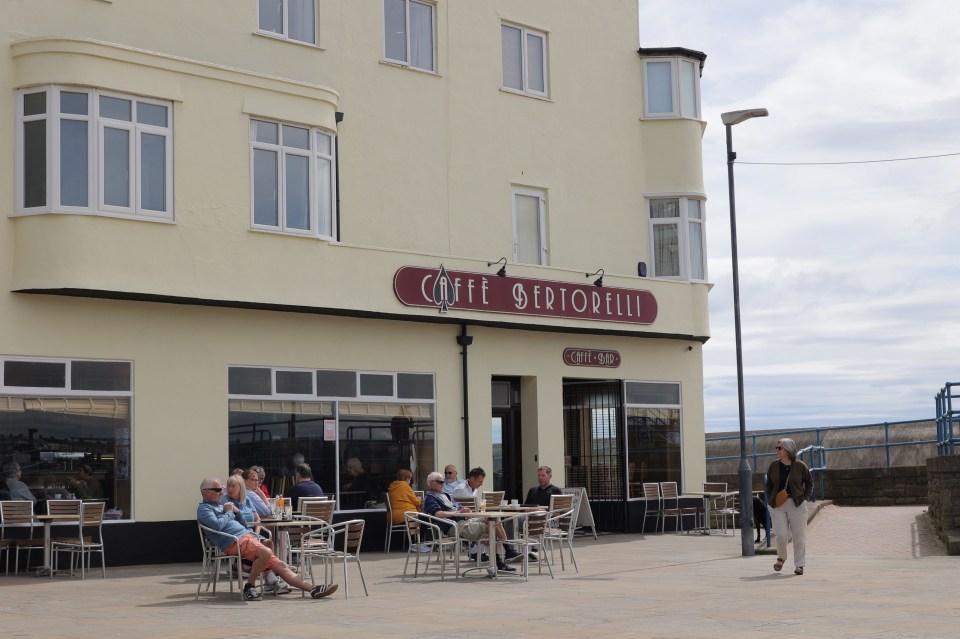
876, 575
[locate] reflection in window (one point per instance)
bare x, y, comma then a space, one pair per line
653, 447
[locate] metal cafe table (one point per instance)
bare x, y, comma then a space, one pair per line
492, 518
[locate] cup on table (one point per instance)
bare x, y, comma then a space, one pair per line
503, 502
514, 502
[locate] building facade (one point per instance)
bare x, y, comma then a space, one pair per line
372, 235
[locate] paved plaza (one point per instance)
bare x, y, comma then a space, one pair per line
871, 573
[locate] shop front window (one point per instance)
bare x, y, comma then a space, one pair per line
653, 435
353, 447
67, 425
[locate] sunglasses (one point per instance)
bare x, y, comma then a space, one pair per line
779, 447
216, 490
437, 481
448, 472
258, 469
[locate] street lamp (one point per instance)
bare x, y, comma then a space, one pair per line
730, 119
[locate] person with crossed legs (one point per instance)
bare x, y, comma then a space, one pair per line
222, 518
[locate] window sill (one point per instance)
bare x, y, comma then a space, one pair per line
302, 236
401, 65
523, 94
282, 38
119, 216
671, 117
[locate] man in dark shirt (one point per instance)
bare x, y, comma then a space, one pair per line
540, 495
304, 486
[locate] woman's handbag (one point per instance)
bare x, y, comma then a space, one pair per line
780, 499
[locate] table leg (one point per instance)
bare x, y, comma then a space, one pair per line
46, 568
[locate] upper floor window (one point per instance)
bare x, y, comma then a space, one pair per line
524, 54
409, 29
88, 151
293, 178
677, 238
672, 88
292, 19
529, 226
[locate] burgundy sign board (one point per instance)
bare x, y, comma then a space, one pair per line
458, 290
591, 357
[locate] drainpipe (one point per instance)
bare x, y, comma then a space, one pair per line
465, 341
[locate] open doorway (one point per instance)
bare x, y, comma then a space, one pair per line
507, 469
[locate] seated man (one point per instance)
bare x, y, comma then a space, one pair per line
474, 483
85, 485
439, 504
539, 495
303, 486
452, 483
222, 518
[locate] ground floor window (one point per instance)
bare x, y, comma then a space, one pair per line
67, 425
653, 435
355, 431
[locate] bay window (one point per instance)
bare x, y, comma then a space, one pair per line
671, 88
677, 239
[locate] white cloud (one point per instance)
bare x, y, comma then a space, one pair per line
849, 274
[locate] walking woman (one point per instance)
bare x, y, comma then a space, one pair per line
789, 488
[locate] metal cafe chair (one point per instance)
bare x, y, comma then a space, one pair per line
653, 506
83, 547
17, 515
213, 557
392, 528
423, 530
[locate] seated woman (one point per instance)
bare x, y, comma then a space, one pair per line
402, 497
255, 497
236, 493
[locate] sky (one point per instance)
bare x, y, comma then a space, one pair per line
849, 274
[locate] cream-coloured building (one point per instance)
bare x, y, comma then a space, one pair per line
409, 232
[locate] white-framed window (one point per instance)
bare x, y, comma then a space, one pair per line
291, 19
677, 239
671, 88
293, 169
409, 33
654, 449
529, 226
87, 151
524, 54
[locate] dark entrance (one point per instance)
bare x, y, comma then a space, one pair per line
593, 447
507, 472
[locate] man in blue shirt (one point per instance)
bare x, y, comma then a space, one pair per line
451, 483
304, 486
223, 519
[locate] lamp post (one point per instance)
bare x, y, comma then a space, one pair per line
744, 474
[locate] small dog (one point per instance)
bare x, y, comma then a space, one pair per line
759, 516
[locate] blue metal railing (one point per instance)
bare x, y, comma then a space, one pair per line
821, 431
816, 461
947, 418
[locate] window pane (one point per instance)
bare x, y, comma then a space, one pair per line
301, 20
528, 229
74, 170
413, 386
688, 89
421, 36
297, 205
395, 30
376, 385
664, 208
324, 144
295, 382
336, 384
35, 163
115, 108
296, 136
652, 393
325, 197
35, 374
511, 55
265, 176
75, 103
271, 16
693, 209
249, 381
696, 251
153, 114
659, 88
266, 132
35, 103
535, 66
100, 376
666, 249
153, 172
653, 447
116, 167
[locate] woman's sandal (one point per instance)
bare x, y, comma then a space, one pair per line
798, 571
779, 565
